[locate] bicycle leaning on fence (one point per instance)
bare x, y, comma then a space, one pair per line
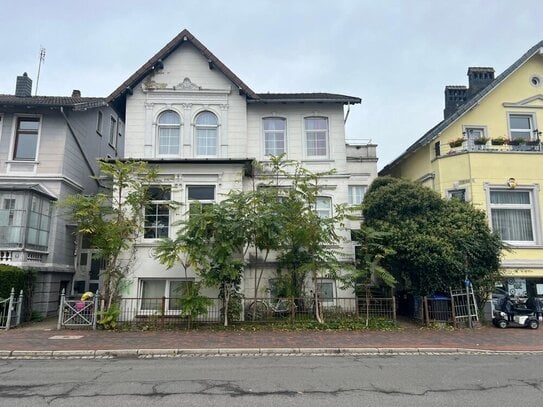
261, 309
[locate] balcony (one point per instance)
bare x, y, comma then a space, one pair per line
490, 145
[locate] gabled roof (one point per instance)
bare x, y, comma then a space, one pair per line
467, 106
304, 97
118, 96
77, 103
150, 65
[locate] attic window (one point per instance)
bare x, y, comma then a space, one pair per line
535, 80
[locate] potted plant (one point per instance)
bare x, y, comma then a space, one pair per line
516, 141
498, 141
456, 142
481, 141
535, 142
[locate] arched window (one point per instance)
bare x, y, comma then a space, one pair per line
169, 133
206, 134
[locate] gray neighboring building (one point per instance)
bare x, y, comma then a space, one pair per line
49, 146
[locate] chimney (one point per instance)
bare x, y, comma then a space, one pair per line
455, 96
479, 78
76, 93
23, 88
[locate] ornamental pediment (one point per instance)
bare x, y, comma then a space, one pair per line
534, 102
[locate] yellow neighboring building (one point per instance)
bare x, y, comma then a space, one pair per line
488, 151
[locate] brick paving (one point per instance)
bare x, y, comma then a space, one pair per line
39, 338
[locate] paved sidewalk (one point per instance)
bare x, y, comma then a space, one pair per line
44, 339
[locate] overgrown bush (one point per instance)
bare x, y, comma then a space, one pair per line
14, 277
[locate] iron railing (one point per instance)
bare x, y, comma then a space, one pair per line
166, 312
10, 310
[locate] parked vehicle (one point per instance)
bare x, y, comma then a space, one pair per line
510, 314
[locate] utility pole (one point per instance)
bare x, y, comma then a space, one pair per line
42, 59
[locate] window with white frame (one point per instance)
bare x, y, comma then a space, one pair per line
26, 138
512, 215
113, 132
356, 194
169, 133
326, 290
323, 207
152, 292
316, 136
39, 221
274, 135
521, 126
157, 212
202, 195
206, 134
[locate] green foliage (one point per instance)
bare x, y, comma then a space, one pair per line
108, 318
14, 277
437, 242
192, 303
113, 218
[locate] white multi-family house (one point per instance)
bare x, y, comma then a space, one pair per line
48, 150
187, 113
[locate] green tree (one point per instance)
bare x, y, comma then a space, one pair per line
369, 271
215, 237
437, 242
113, 219
308, 241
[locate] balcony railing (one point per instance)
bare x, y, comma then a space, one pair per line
467, 146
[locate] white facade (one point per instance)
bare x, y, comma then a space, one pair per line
190, 115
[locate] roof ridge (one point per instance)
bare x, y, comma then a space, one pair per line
427, 137
165, 51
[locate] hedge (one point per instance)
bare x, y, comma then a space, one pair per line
14, 277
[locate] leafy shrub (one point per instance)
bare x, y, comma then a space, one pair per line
14, 277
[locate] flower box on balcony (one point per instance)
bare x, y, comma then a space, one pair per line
516, 141
456, 143
481, 141
499, 141
533, 142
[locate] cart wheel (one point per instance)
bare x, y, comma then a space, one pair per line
533, 324
502, 323
256, 311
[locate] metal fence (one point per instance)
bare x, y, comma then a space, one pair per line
10, 310
166, 312
459, 309
77, 313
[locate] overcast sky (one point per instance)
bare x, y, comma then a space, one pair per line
396, 55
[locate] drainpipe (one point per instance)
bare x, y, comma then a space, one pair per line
87, 161
347, 114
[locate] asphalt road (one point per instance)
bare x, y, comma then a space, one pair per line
347, 380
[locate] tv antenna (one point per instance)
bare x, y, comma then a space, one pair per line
42, 59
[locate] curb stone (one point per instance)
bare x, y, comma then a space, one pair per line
147, 353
